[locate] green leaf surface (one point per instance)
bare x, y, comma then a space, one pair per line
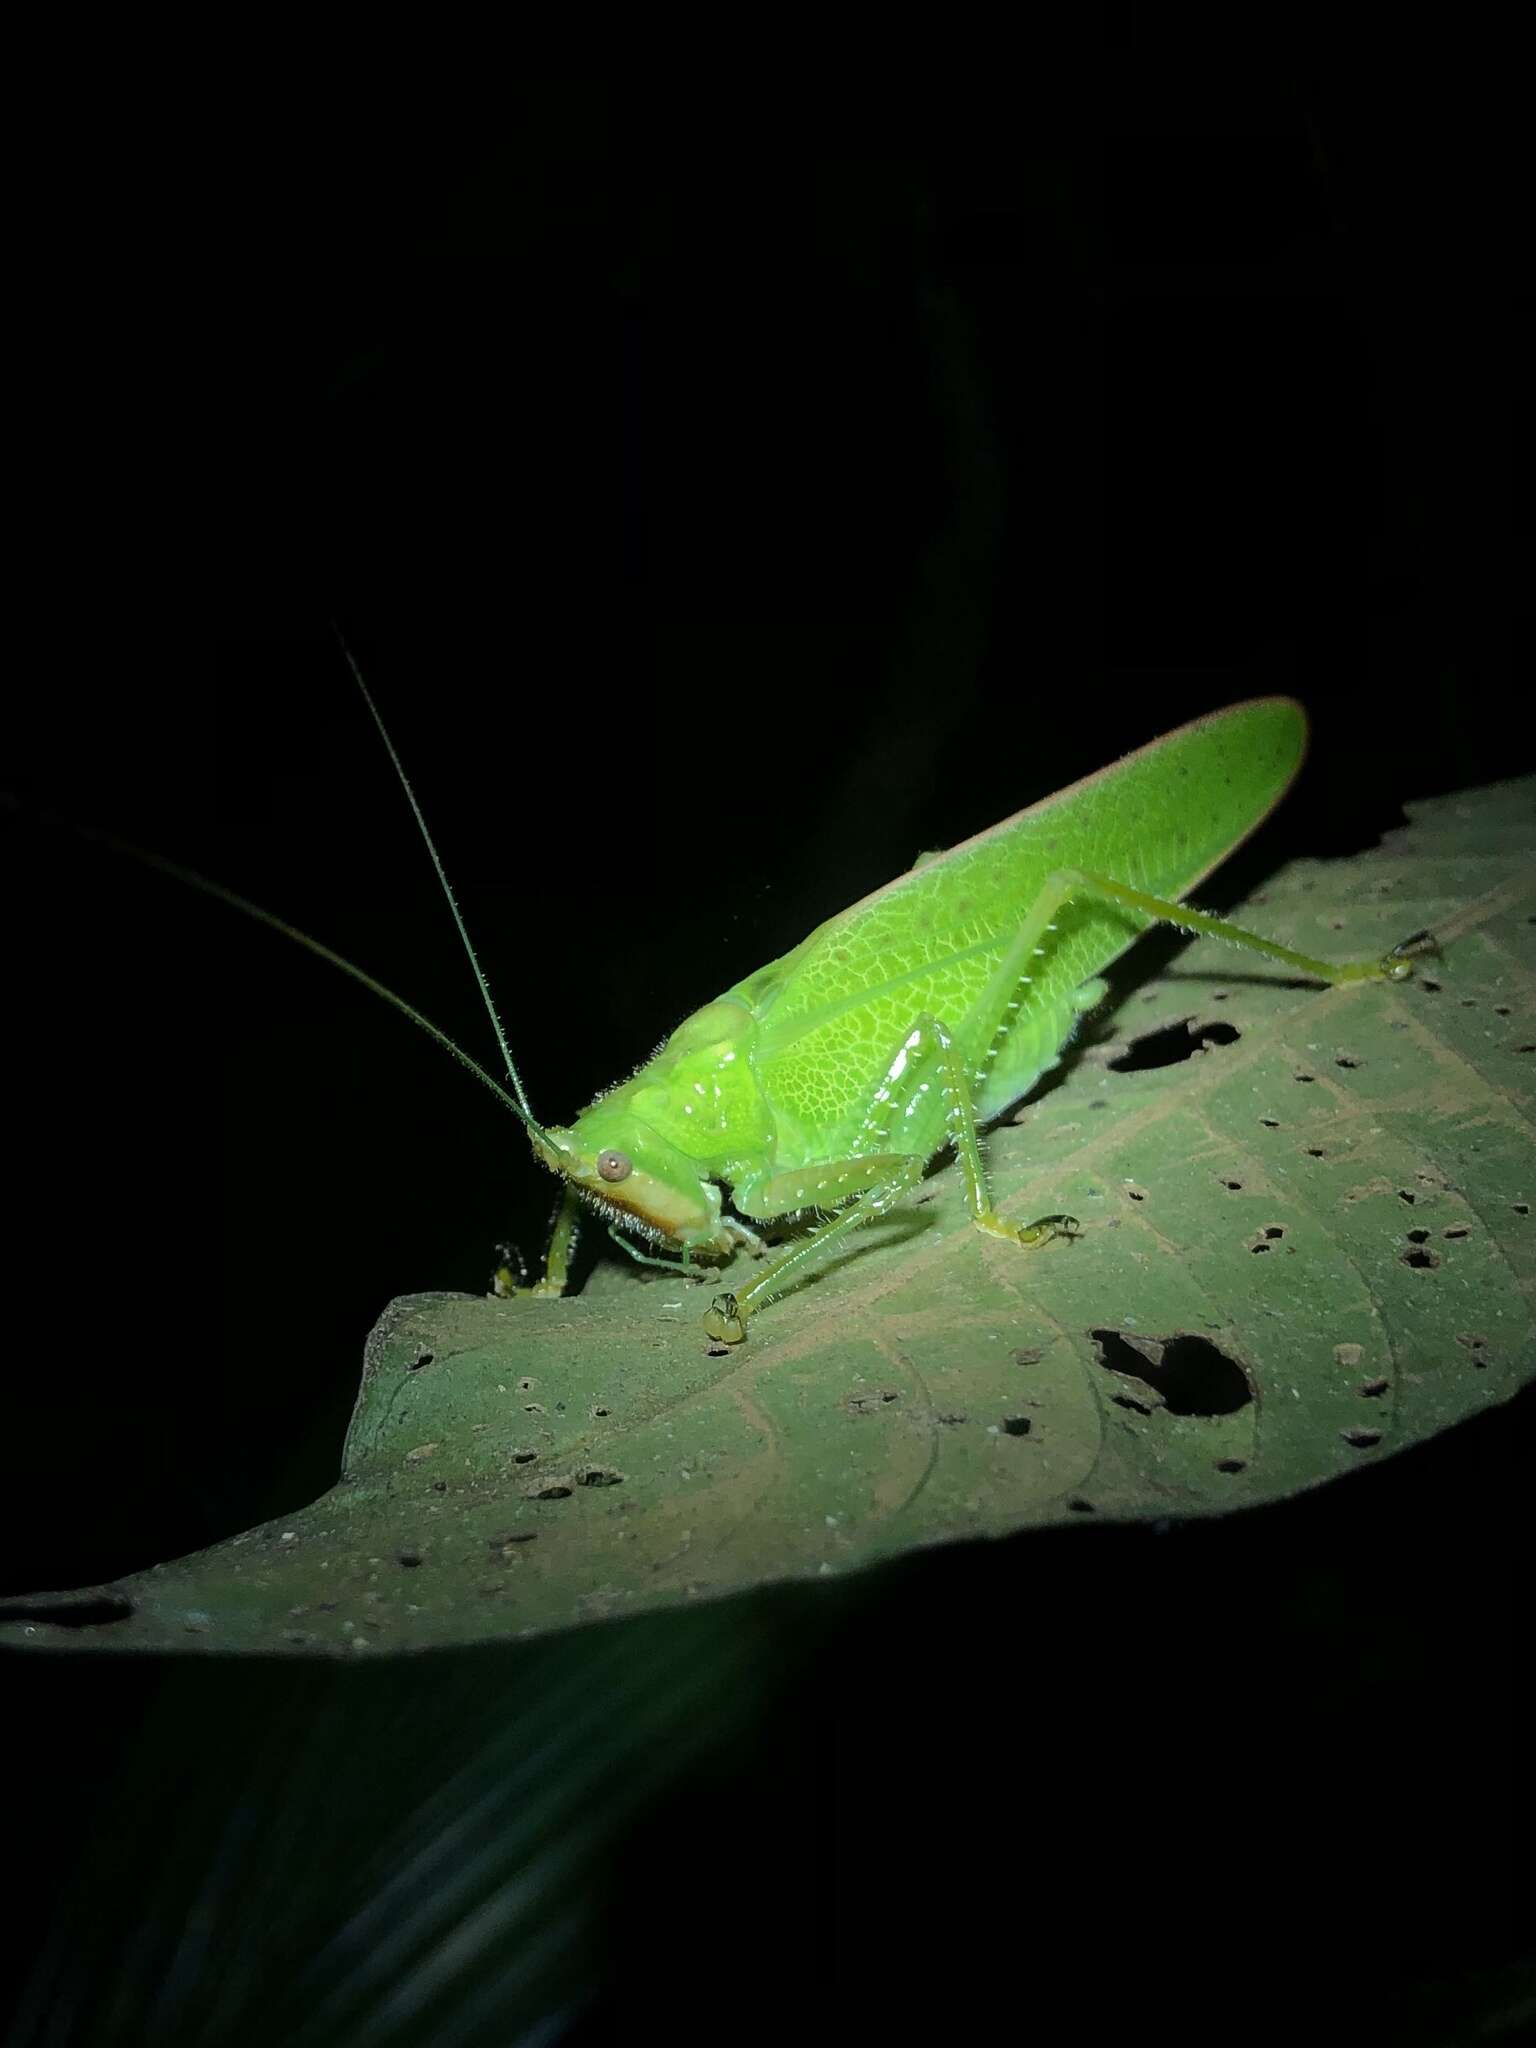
1307, 1243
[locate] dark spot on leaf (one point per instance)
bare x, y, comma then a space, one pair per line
1522, 1208
1192, 1376
1348, 1060
1374, 1389
514, 1536
1016, 1425
1361, 1439
866, 1404
1231, 1464
599, 1411
1130, 1401
1316, 1152
1082, 1507
1305, 1077
525, 1386
1502, 1010
409, 1558
439, 1486
1458, 1230
553, 1491
1270, 1123
94, 1610
599, 1475
1430, 988
524, 1457
1027, 1354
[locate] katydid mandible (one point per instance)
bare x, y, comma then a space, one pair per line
820, 1089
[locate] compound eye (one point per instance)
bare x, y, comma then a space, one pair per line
614, 1165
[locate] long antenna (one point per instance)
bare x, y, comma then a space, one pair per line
442, 875
217, 890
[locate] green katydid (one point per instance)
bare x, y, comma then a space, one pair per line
830, 1080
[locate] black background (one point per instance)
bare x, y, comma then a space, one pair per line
727, 495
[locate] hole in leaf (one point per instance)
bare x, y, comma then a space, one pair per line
92, 1612
1502, 1010
1231, 1464
1190, 1374
1361, 1439
1270, 1123
1016, 1425
409, 1558
417, 1364
1407, 1195
1233, 1187
1304, 1077
1348, 1060
524, 1457
553, 1491
1458, 1230
1316, 1152
1171, 1044
599, 1475
1082, 1507
1422, 1260
1130, 1401
1522, 1208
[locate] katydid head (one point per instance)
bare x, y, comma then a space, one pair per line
631, 1172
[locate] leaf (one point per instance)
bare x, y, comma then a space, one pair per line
1307, 1243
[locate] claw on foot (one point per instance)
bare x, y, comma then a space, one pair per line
724, 1321
1037, 1233
1398, 964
